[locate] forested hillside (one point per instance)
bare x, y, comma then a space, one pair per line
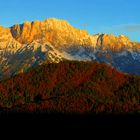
71, 87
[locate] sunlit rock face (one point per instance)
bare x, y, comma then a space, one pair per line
58, 32
61, 34
113, 43
7, 41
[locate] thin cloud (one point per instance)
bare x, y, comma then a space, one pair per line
125, 28
132, 28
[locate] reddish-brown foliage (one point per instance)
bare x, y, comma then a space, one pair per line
79, 87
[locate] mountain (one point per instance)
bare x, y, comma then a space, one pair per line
57, 32
25, 46
71, 87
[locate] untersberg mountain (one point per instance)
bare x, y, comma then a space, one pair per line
24, 46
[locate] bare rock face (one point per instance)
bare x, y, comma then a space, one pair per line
5, 34
6, 39
58, 32
61, 34
113, 43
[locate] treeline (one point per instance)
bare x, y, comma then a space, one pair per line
71, 87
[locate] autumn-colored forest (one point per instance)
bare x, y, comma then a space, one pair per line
71, 87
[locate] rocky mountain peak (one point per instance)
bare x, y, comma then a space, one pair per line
61, 34
115, 43
58, 32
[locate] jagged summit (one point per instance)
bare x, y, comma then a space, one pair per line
58, 32
61, 34
116, 43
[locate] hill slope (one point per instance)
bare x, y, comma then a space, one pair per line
71, 87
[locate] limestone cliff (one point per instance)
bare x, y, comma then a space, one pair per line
7, 41
113, 43
60, 34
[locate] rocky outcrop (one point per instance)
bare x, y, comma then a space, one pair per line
61, 34
58, 32
113, 43
7, 41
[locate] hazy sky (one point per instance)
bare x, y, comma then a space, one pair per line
96, 16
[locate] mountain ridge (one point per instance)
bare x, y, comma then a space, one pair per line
30, 31
23, 46
84, 87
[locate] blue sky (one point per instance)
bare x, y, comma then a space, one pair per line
96, 16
